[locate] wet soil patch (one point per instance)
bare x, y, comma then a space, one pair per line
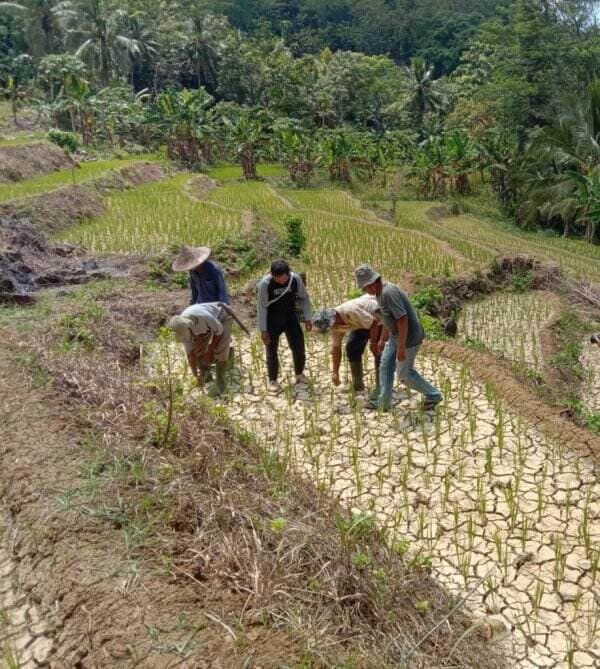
29, 261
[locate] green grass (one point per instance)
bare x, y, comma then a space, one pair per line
149, 218
229, 172
22, 139
48, 182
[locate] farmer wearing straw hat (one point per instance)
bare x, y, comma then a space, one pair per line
400, 342
205, 332
362, 319
207, 279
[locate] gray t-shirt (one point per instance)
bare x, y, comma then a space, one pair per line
394, 304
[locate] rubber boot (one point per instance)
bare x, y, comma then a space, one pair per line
356, 369
220, 385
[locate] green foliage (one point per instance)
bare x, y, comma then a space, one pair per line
79, 331
66, 140
295, 238
522, 282
427, 297
432, 326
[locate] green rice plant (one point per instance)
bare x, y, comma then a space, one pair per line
149, 218
48, 182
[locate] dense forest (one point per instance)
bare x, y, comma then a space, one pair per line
504, 91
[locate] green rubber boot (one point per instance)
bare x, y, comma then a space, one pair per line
356, 369
220, 385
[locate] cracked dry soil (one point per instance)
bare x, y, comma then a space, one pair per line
477, 487
71, 597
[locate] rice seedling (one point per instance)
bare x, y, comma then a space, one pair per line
508, 324
83, 174
149, 218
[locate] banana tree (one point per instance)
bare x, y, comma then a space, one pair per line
184, 119
340, 149
300, 154
461, 156
247, 135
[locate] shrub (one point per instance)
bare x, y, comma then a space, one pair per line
66, 140
295, 239
427, 297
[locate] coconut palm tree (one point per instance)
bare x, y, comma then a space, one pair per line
206, 37
102, 36
564, 166
424, 92
41, 21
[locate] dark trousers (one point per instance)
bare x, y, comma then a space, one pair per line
356, 344
295, 337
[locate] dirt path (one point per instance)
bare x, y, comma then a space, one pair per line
205, 186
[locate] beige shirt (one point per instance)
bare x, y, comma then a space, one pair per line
357, 314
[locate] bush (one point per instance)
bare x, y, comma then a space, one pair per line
295, 240
427, 297
66, 140
522, 282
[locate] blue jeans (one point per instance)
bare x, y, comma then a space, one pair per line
406, 372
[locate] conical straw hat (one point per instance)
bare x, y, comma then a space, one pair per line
190, 257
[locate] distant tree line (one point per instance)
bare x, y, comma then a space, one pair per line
451, 88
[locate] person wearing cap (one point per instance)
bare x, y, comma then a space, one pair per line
362, 319
205, 332
207, 279
400, 342
277, 296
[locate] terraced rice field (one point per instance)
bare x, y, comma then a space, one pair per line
489, 499
149, 218
480, 240
86, 172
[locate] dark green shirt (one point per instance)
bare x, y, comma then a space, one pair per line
394, 304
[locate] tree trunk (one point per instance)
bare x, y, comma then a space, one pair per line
248, 158
590, 231
462, 184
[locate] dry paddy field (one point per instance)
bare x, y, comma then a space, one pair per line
486, 497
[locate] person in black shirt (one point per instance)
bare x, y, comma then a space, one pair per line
277, 294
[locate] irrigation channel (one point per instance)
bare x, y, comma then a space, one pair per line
473, 488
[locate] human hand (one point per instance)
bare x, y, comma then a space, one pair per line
335, 379
266, 337
374, 346
380, 346
308, 325
401, 356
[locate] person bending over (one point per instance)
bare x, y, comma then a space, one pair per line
361, 318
